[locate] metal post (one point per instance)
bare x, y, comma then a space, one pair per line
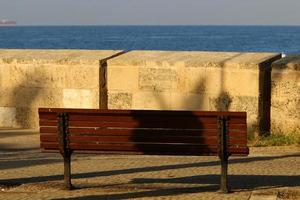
67, 172
223, 154
64, 148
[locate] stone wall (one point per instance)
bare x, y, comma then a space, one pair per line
191, 81
47, 78
150, 80
285, 109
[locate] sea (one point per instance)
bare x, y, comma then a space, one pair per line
281, 39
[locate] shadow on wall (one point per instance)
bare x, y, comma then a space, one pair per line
221, 103
24, 95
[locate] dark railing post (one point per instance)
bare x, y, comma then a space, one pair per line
223, 153
63, 139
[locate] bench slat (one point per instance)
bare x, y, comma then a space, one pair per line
154, 132
43, 122
145, 139
107, 139
111, 139
130, 118
52, 129
162, 148
116, 112
139, 133
143, 125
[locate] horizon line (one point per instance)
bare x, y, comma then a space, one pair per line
158, 25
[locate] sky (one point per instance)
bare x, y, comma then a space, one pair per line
151, 12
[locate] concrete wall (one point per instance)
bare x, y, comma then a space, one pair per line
191, 81
47, 78
285, 109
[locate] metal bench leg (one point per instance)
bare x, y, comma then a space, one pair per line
223, 153
63, 138
67, 172
224, 178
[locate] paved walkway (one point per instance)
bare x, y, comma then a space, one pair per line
25, 173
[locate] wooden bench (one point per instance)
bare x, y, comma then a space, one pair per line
144, 132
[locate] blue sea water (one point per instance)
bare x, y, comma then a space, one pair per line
199, 38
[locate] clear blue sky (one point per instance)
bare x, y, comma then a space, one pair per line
151, 12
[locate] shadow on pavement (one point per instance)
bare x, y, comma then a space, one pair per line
237, 181
11, 164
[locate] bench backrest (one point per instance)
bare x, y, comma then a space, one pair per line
144, 131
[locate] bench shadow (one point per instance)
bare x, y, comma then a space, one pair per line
28, 162
248, 181
239, 183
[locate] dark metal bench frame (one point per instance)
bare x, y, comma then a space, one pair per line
66, 152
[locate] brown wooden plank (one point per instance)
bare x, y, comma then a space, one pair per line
48, 129
48, 138
237, 120
145, 118
172, 118
43, 122
143, 112
145, 139
237, 146
142, 147
49, 145
187, 124
238, 151
232, 151
233, 141
48, 115
237, 133
158, 148
132, 132
237, 127
122, 139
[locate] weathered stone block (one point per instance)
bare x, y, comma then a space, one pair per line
288, 107
8, 117
119, 100
27, 117
79, 98
285, 104
123, 78
32, 75
285, 126
26, 97
151, 100
285, 83
158, 79
82, 76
